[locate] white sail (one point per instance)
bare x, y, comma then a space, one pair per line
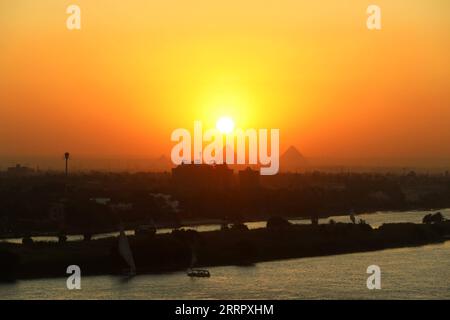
125, 251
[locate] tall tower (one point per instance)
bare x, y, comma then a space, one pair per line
66, 156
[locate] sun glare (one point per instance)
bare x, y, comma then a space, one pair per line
225, 125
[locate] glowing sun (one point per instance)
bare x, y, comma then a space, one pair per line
225, 125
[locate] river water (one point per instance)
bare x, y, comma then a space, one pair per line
406, 273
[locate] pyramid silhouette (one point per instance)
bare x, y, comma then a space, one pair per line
292, 160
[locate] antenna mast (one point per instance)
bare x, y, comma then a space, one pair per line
66, 157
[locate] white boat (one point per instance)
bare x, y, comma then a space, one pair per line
201, 273
192, 272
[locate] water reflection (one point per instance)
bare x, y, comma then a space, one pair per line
407, 273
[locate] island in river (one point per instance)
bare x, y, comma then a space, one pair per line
154, 253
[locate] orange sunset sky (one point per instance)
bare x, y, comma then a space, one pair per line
139, 69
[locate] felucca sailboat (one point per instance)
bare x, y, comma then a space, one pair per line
126, 254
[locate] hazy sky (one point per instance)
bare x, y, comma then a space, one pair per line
138, 69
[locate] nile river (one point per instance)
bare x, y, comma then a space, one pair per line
406, 273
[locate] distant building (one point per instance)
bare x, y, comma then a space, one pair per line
202, 177
19, 170
249, 179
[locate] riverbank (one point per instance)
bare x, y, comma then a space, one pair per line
215, 224
172, 252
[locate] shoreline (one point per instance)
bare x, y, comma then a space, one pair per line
417, 245
105, 233
172, 252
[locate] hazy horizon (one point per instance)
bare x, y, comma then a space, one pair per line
151, 163
137, 70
